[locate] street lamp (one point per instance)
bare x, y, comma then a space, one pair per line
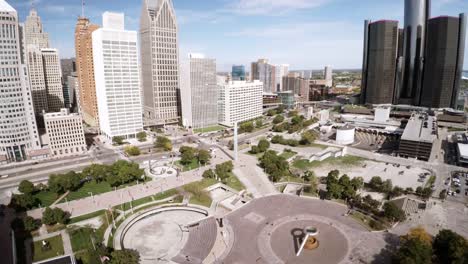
92, 196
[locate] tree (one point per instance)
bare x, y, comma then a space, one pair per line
386, 186
263, 145
259, 123
23, 201
309, 176
419, 233
31, 224
375, 183
125, 256
293, 113
393, 213
124, 172
223, 170
278, 119
277, 139
98, 172
443, 194
413, 251
209, 174
395, 192
163, 143
118, 140
132, 151
274, 165
450, 247
280, 109
53, 216
187, 156
141, 136
334, 189
254, 150
26, 187
357, 183
271, 112
308, 137
246, 127
204, 156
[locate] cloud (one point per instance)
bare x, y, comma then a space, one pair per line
272, 7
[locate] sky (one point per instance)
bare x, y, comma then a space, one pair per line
307, 34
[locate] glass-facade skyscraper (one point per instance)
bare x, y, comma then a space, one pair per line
238, 73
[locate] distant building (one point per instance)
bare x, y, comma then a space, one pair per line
68, 67
159, 54
345, 135
53, 79
265, 73
328, 73
238, 73
444, 61
287, 99
66, 133
117, 78
73, 88
418, 137
85, 70
380, 57
18, 128
318, 90
282, 70
239, 101
298, 85
199, 92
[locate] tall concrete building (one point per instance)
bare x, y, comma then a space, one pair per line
265, 72
33, 31
281, 70
72, 92
379, 66
159, 55
240, 101
117, 78
328, 73
68, 67
53, 79
199, 92
18, 130
66, 133
85, 70
444, 61
295, 83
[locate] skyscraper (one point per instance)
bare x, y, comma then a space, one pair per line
281, 70
199, 92
159, 63
238, 73
444, 61
53, 79
18, 130
416, 14
85, 70
33, 31
117, 78
328, 75
266, 73
379, 65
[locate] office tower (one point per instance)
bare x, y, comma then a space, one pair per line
266, 73
240, 101
117, 78
328, 75
68, 66
379, 66
34, 40
199, 92
295, 83
238, 73
281, 70
53, 79
444, 61
85, 70
416, 14
159, 63
66, 133
73, 87
18, 130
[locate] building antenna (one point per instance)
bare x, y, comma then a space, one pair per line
82, 8
32, 4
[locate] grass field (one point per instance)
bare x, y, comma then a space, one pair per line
95, 188
349, 161
288, 154
46, 198
191, 166
209, 129
86, 217
81, 239
234, 183
159, 196
199, 196
56, 249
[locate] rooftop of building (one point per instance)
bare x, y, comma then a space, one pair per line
463, 150
64, 112
421, 127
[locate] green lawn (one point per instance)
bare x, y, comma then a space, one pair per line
86, 217
349, 161
159, 196
203, 200
366, 221
95, 188
209, 129
56, 249
191, 166
199, 196
234, 183
288, 154
291, 179
46, 198
81, 238
431, 181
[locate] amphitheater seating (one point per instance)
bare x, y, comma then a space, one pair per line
202, 237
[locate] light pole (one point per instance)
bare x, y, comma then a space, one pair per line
92, 196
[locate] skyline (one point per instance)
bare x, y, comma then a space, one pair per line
241, 31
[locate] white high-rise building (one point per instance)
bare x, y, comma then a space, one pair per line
33, 57
53, 79
33, 31
199, 92
66, 133
240, 101
18, 130
117, 78
159, 53
328, 75
282, 70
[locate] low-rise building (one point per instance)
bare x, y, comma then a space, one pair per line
418, 137
239, 101
462, 154
66, 133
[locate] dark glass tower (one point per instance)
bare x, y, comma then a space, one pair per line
238, 73
380, 59
444, 61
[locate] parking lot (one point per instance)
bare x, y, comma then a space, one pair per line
457, 186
